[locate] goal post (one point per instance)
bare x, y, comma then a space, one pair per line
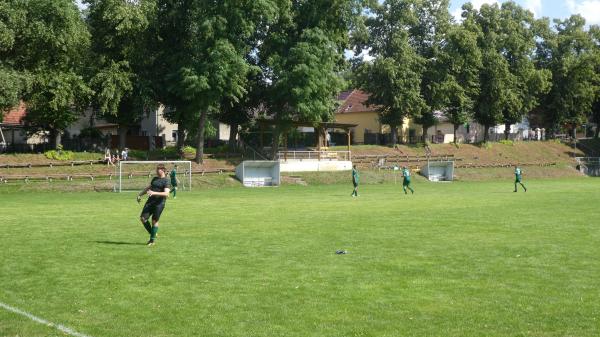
134, 175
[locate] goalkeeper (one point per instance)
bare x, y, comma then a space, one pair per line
158, 192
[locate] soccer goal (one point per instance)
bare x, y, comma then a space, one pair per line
438, 170
135, 175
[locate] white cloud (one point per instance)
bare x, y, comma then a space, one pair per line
534, 6
589, 9
457, 14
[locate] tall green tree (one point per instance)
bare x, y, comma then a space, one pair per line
575, 80
517, 44
511, 85
42, 49
393, 77
428, 36
119, 59
302, 59
200, 54
13, 78
595, 115
458, 65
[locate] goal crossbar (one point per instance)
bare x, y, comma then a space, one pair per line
187, 173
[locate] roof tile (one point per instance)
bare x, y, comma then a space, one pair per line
354, 101
15, 116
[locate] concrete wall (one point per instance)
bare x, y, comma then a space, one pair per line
315, 166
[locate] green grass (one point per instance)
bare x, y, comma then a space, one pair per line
459, 259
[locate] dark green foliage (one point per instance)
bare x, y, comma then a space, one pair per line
302, 59
119, 60
573, 63
200, 51
459, 63
511, 85
42, 47
393, 77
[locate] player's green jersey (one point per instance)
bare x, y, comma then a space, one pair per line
518, 173
406, 173
355, 176
173, 175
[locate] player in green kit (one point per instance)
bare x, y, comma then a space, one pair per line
158, 192
406, 181
174, 180
355, 179
518, 178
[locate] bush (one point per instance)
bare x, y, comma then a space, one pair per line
59, 155
485, 145
189, 150
507, 142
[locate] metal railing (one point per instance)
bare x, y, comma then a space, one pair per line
315, 155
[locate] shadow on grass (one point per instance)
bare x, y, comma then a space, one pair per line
120, 243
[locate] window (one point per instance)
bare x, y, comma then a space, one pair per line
174, 134
144, 133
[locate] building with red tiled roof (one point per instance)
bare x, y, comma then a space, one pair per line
11, 127
14, 116
354, 110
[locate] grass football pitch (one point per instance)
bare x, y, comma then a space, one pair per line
459, 259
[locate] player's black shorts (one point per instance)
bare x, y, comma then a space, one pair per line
154, 209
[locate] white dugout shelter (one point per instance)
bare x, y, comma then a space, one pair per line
439, 170
258, 173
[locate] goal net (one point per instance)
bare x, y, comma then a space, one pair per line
136, 175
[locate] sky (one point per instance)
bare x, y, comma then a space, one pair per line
589, 9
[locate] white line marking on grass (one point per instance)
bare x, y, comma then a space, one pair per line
34, 318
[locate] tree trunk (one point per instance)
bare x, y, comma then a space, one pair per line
597, 132
55, 138
394, 132
425, 134
506, 130
122, 132
275, 143
200, 143
486, 133
455, 130
180, 140
233, 132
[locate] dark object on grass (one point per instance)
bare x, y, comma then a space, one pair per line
341, 251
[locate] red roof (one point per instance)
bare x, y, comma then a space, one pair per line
15, 116
354, 101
